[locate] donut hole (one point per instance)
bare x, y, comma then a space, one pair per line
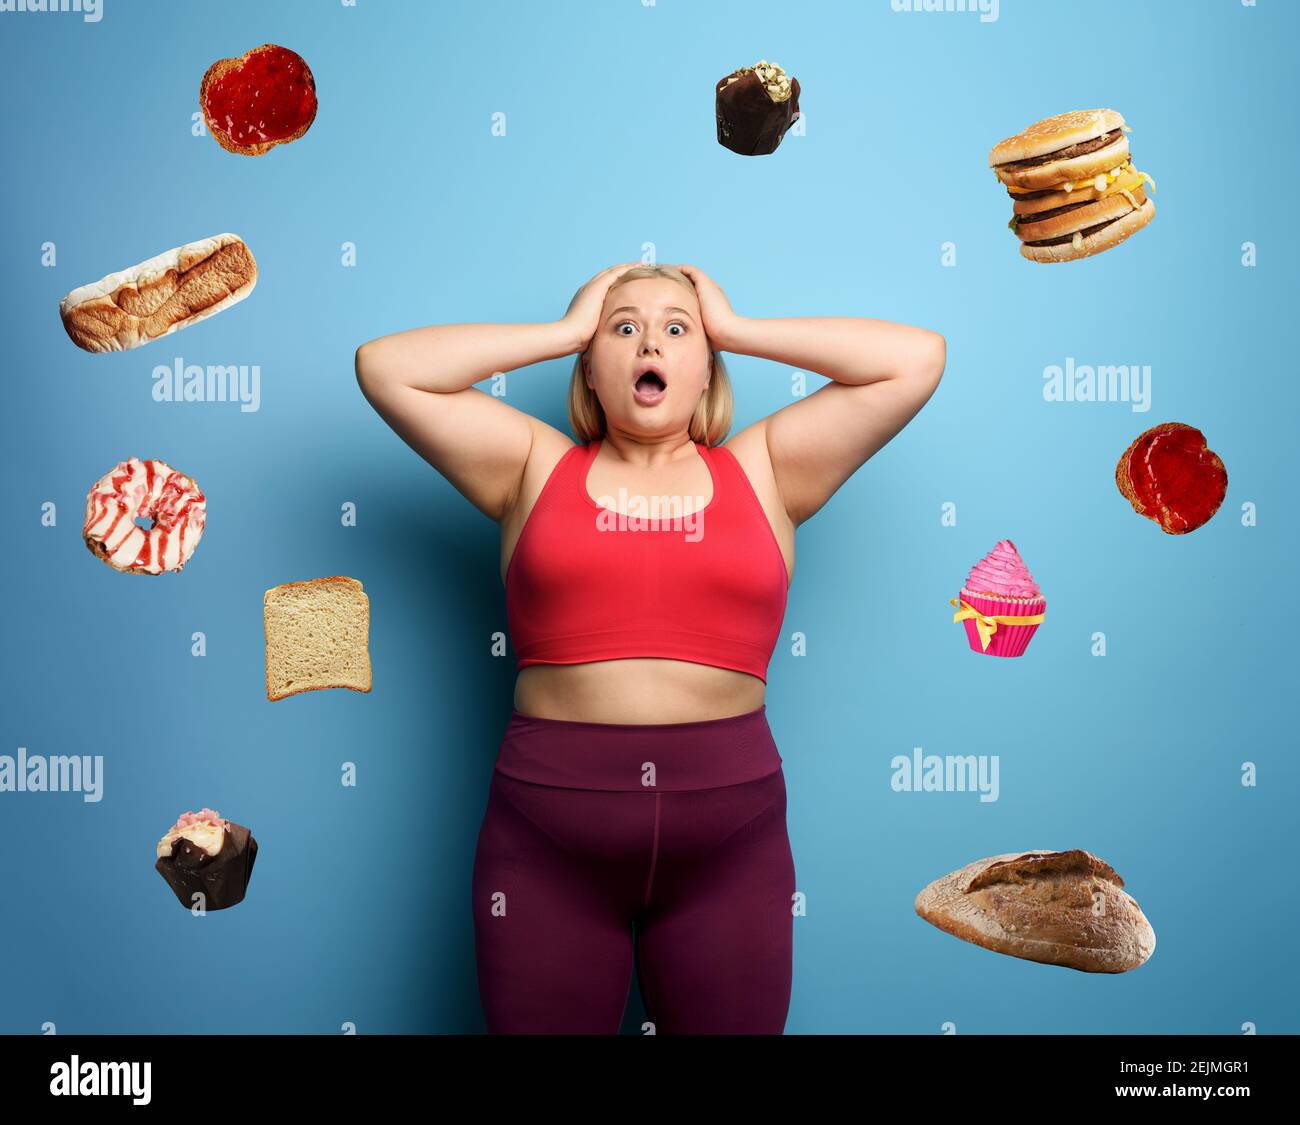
144, 522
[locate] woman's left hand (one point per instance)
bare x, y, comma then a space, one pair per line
721, 321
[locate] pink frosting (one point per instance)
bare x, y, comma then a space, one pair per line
190, 818
1002, 571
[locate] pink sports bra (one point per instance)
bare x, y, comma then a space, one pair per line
586, 583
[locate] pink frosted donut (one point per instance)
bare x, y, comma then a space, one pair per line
152, 490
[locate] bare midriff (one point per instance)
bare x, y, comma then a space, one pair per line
637, 691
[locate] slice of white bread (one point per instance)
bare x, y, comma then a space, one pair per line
317, 635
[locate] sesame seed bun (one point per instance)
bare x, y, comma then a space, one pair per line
1055, 133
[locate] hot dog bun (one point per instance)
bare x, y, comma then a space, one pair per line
163, 295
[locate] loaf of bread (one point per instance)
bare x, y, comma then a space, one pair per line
1060, 908
317, 636
163, 295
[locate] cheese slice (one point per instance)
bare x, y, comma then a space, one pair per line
1125, 179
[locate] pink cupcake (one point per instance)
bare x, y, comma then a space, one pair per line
1001, 604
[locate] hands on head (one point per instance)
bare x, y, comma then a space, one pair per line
717, 316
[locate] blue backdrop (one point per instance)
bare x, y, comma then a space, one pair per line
358, 911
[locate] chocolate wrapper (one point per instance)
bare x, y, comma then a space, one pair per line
221, 878
749, 121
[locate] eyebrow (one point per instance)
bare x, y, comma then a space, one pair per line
669, 309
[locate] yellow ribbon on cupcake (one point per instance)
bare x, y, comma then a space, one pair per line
986, 625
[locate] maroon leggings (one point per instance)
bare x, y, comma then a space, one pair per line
601, 836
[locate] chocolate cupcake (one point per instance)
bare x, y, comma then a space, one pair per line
204, 854
755, 105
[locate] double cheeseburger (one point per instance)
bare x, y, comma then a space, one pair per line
1074, 189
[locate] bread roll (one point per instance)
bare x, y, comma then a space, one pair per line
1059, 908
163, 295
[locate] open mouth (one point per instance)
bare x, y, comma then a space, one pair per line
651, 381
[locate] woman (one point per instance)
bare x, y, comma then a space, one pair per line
637, 808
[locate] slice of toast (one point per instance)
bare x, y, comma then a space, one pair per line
217, 71
1125, 481
1169, 519
317, 636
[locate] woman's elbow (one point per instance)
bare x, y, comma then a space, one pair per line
933, 359
365, 364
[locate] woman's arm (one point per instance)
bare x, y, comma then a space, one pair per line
848, 349
421, 383
882, 374
446, 358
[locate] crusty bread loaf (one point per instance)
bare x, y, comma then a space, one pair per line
1110, 235
317, 636
168, 292
1059, 908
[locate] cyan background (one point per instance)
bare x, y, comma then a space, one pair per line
358, 909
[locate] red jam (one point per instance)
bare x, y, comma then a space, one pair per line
1176, 478
268, 97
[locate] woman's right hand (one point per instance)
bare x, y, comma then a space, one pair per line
583, 315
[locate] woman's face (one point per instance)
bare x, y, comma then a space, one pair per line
651, 322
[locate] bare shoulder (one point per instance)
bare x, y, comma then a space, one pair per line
548, 446
749, 447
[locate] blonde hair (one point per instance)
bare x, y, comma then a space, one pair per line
712, 418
